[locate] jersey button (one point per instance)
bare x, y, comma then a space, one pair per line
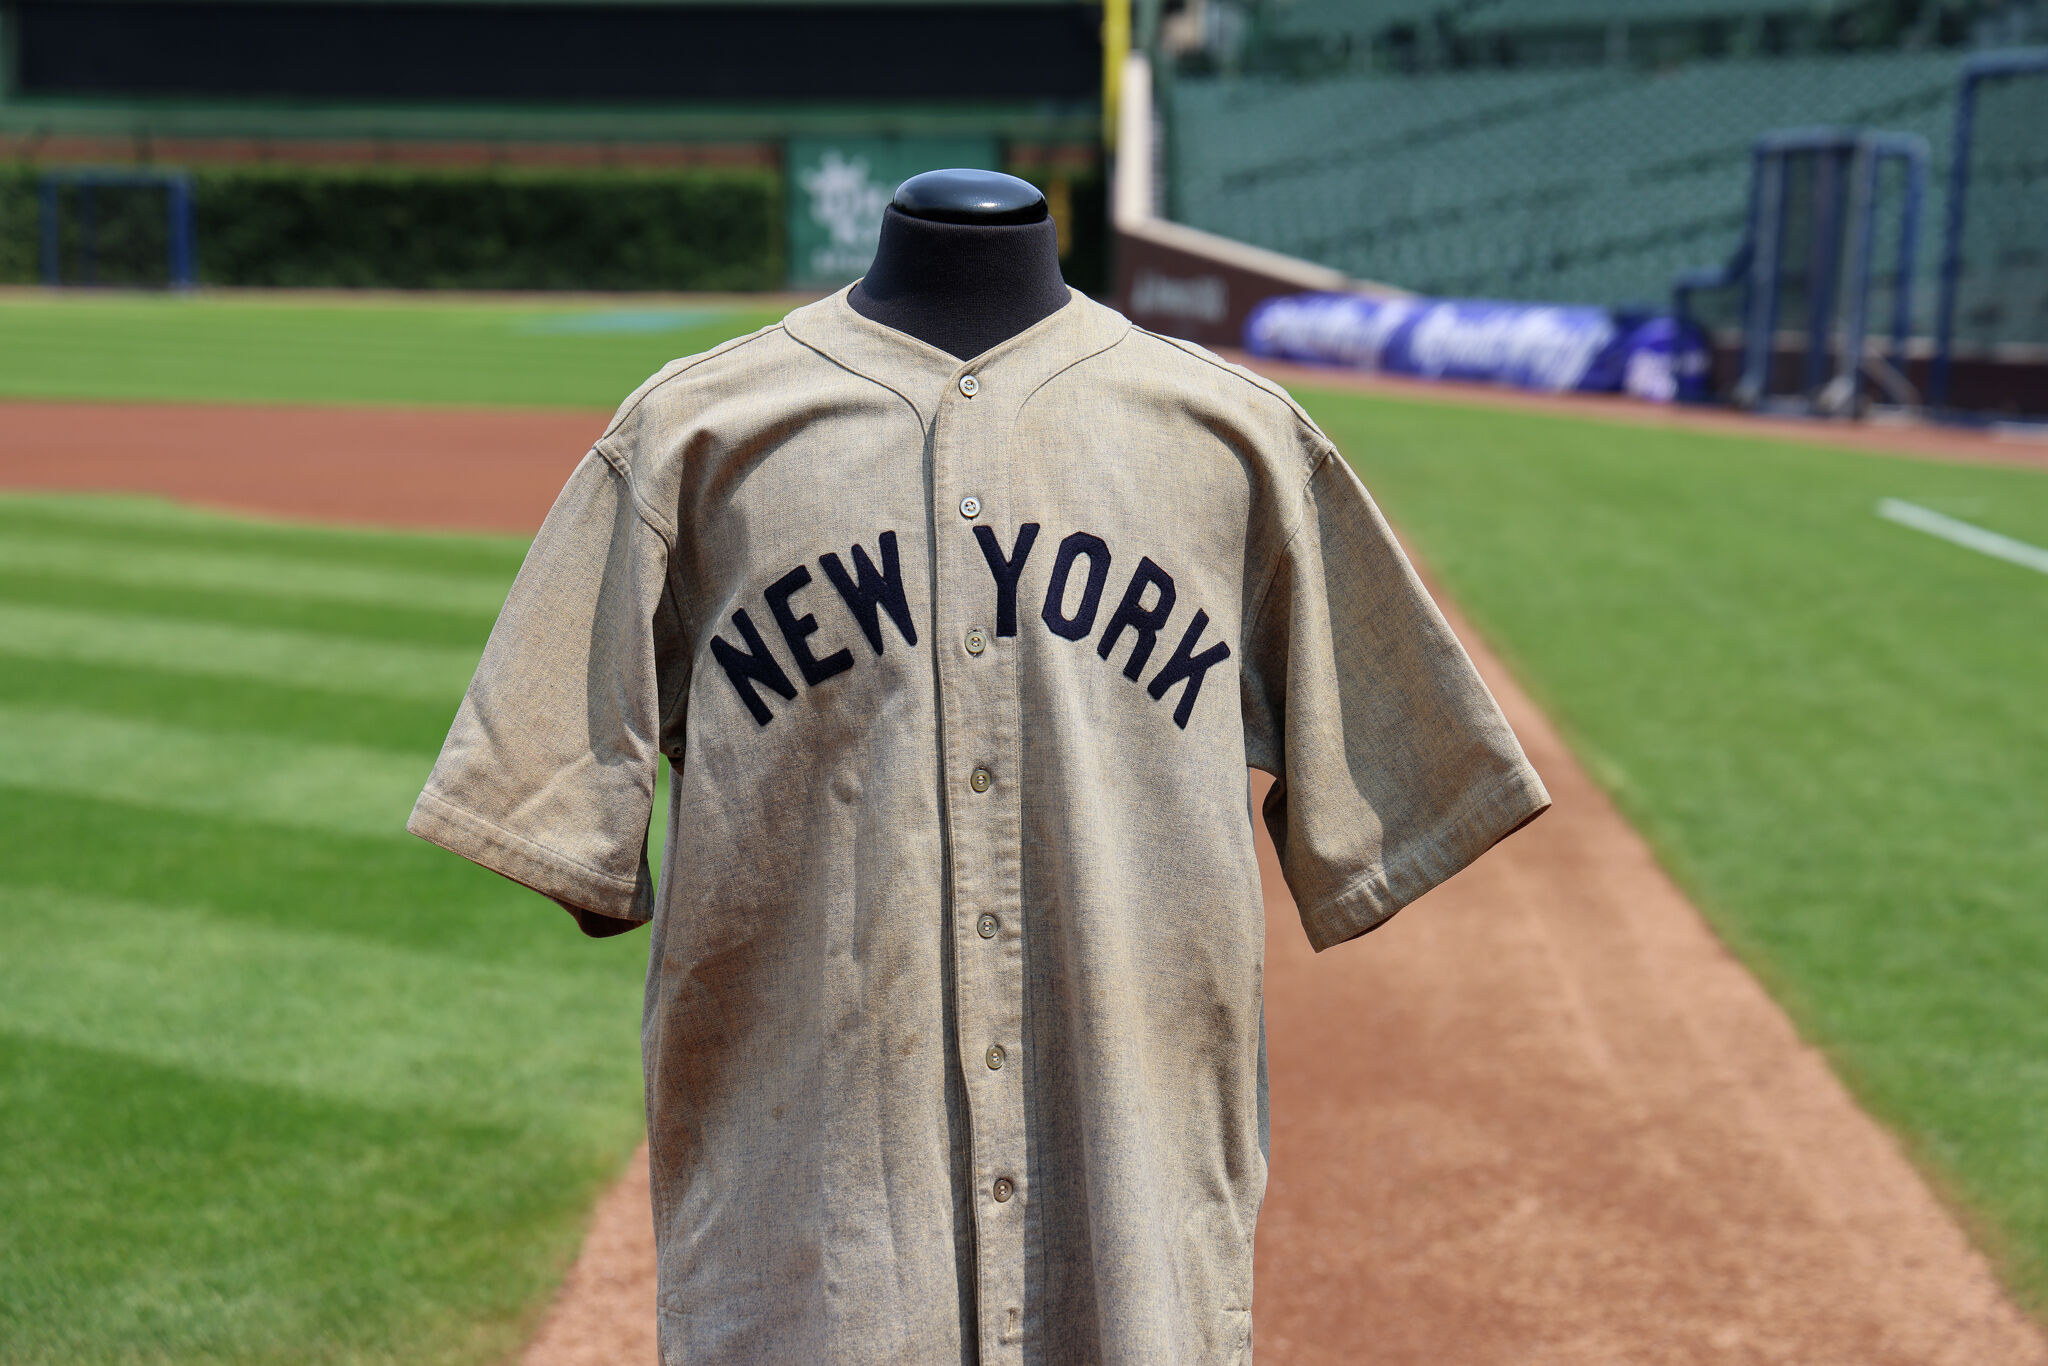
980, 779
986, 926
969, 385
995, 1057
970, 507
1003, 1190
976, 642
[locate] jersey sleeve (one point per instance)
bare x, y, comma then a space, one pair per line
547, 775
1393, 766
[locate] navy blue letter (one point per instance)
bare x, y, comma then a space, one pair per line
1007, 571
1133, 613
755, 666
1083, 621
868, 591
795, 628
1186, 664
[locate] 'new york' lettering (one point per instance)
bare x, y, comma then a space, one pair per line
868, 592
1073, 604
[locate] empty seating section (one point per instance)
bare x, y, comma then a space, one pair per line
1505, 15
1351, 18
1592, 185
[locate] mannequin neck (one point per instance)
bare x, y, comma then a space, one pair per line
962, 287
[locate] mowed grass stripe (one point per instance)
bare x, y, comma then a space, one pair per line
114, 560
345, 789
404, 625
404, 893
230, 707
205, 649
325, 1015
159, 1215
160, 523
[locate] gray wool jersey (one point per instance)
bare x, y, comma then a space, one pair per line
953, 1027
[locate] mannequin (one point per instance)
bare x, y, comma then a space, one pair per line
967, 260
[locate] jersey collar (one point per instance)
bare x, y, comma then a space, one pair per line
920, 372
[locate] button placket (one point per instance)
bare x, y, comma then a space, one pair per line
978, 705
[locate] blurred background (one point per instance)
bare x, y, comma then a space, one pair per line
308, 307
1586, 152
642, 146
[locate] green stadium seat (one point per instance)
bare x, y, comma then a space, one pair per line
1576, 185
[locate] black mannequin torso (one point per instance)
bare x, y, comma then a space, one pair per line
967, 260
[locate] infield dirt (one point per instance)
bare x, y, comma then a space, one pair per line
1541, 1117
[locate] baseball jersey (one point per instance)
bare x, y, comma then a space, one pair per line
953, 1030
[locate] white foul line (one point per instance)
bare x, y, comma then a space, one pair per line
1963, 534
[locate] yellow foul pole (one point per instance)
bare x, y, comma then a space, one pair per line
1116, 45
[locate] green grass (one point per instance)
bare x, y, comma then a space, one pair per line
1832, 729
281, 350
278, 1082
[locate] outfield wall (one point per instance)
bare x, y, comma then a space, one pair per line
490, 225
429, 117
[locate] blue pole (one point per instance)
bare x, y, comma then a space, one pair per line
1909, 235
88, 233
184, 265
46, 193
1760, 321
1952, 245
1746, 296
1823, 262
1862, 227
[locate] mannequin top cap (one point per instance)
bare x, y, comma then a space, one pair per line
964, 196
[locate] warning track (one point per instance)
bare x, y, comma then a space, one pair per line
1542, 1116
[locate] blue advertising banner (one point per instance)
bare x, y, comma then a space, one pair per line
1552, 347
